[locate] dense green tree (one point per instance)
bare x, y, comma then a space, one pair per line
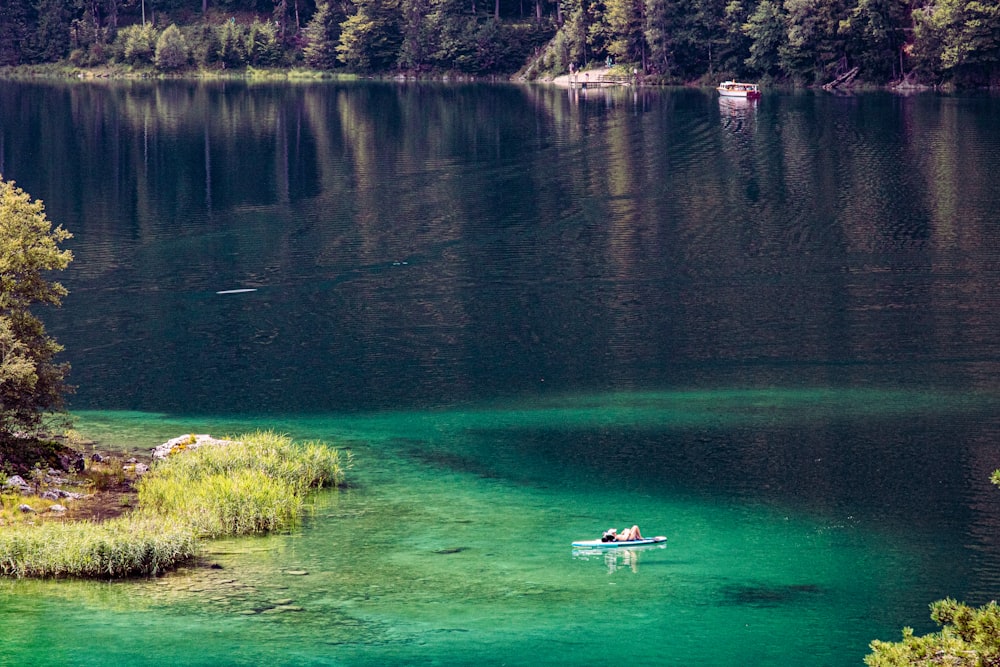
767, 33
806, 41
232, 44
50, 38
371, 37
452, 30
419, 43
322, 34
574, 47
203, 40
138, 43
172, 51
15, 30
735, 46
88, 40
876, 34
263, 44
815, 49
31, 383
626, 20
683, 37
960, 38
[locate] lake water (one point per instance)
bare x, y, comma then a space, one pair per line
768, 332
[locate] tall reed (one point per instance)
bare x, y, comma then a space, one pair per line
253, 485
256, 484
135, 545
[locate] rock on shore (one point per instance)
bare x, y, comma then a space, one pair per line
185, 442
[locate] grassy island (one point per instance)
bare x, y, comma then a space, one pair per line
255, 484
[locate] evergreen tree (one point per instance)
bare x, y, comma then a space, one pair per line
31, 383
370, 38
418, 37
453, 32
232, 44
49, 41
322, 35
815, 49
263, 46
15, 28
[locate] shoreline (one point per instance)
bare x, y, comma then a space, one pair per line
72, 74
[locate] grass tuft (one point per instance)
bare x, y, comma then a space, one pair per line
135, 545
254, 485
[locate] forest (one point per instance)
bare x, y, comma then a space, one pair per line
953, 43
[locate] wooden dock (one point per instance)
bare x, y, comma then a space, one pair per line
600, 80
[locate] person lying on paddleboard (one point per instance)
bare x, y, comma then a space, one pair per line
627, 535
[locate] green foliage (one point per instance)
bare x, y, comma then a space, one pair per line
322, 34
806, 41
766, 30
31, 383
251, 486
171, 50
625, 23
371, 37
135, 545
960, 39
263, 47
15, 30
138, 44
88, 41
232, 44
968, 637
256, 484
876, 35
50, 38
204, 42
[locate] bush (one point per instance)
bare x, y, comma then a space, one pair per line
171, 50
138, 43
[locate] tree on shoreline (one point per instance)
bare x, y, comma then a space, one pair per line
673, 41
32, 384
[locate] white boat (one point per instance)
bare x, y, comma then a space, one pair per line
749, 91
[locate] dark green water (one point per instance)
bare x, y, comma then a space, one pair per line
767, 332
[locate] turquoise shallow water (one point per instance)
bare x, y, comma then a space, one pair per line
447, 547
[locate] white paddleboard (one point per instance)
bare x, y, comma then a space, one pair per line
597, 544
